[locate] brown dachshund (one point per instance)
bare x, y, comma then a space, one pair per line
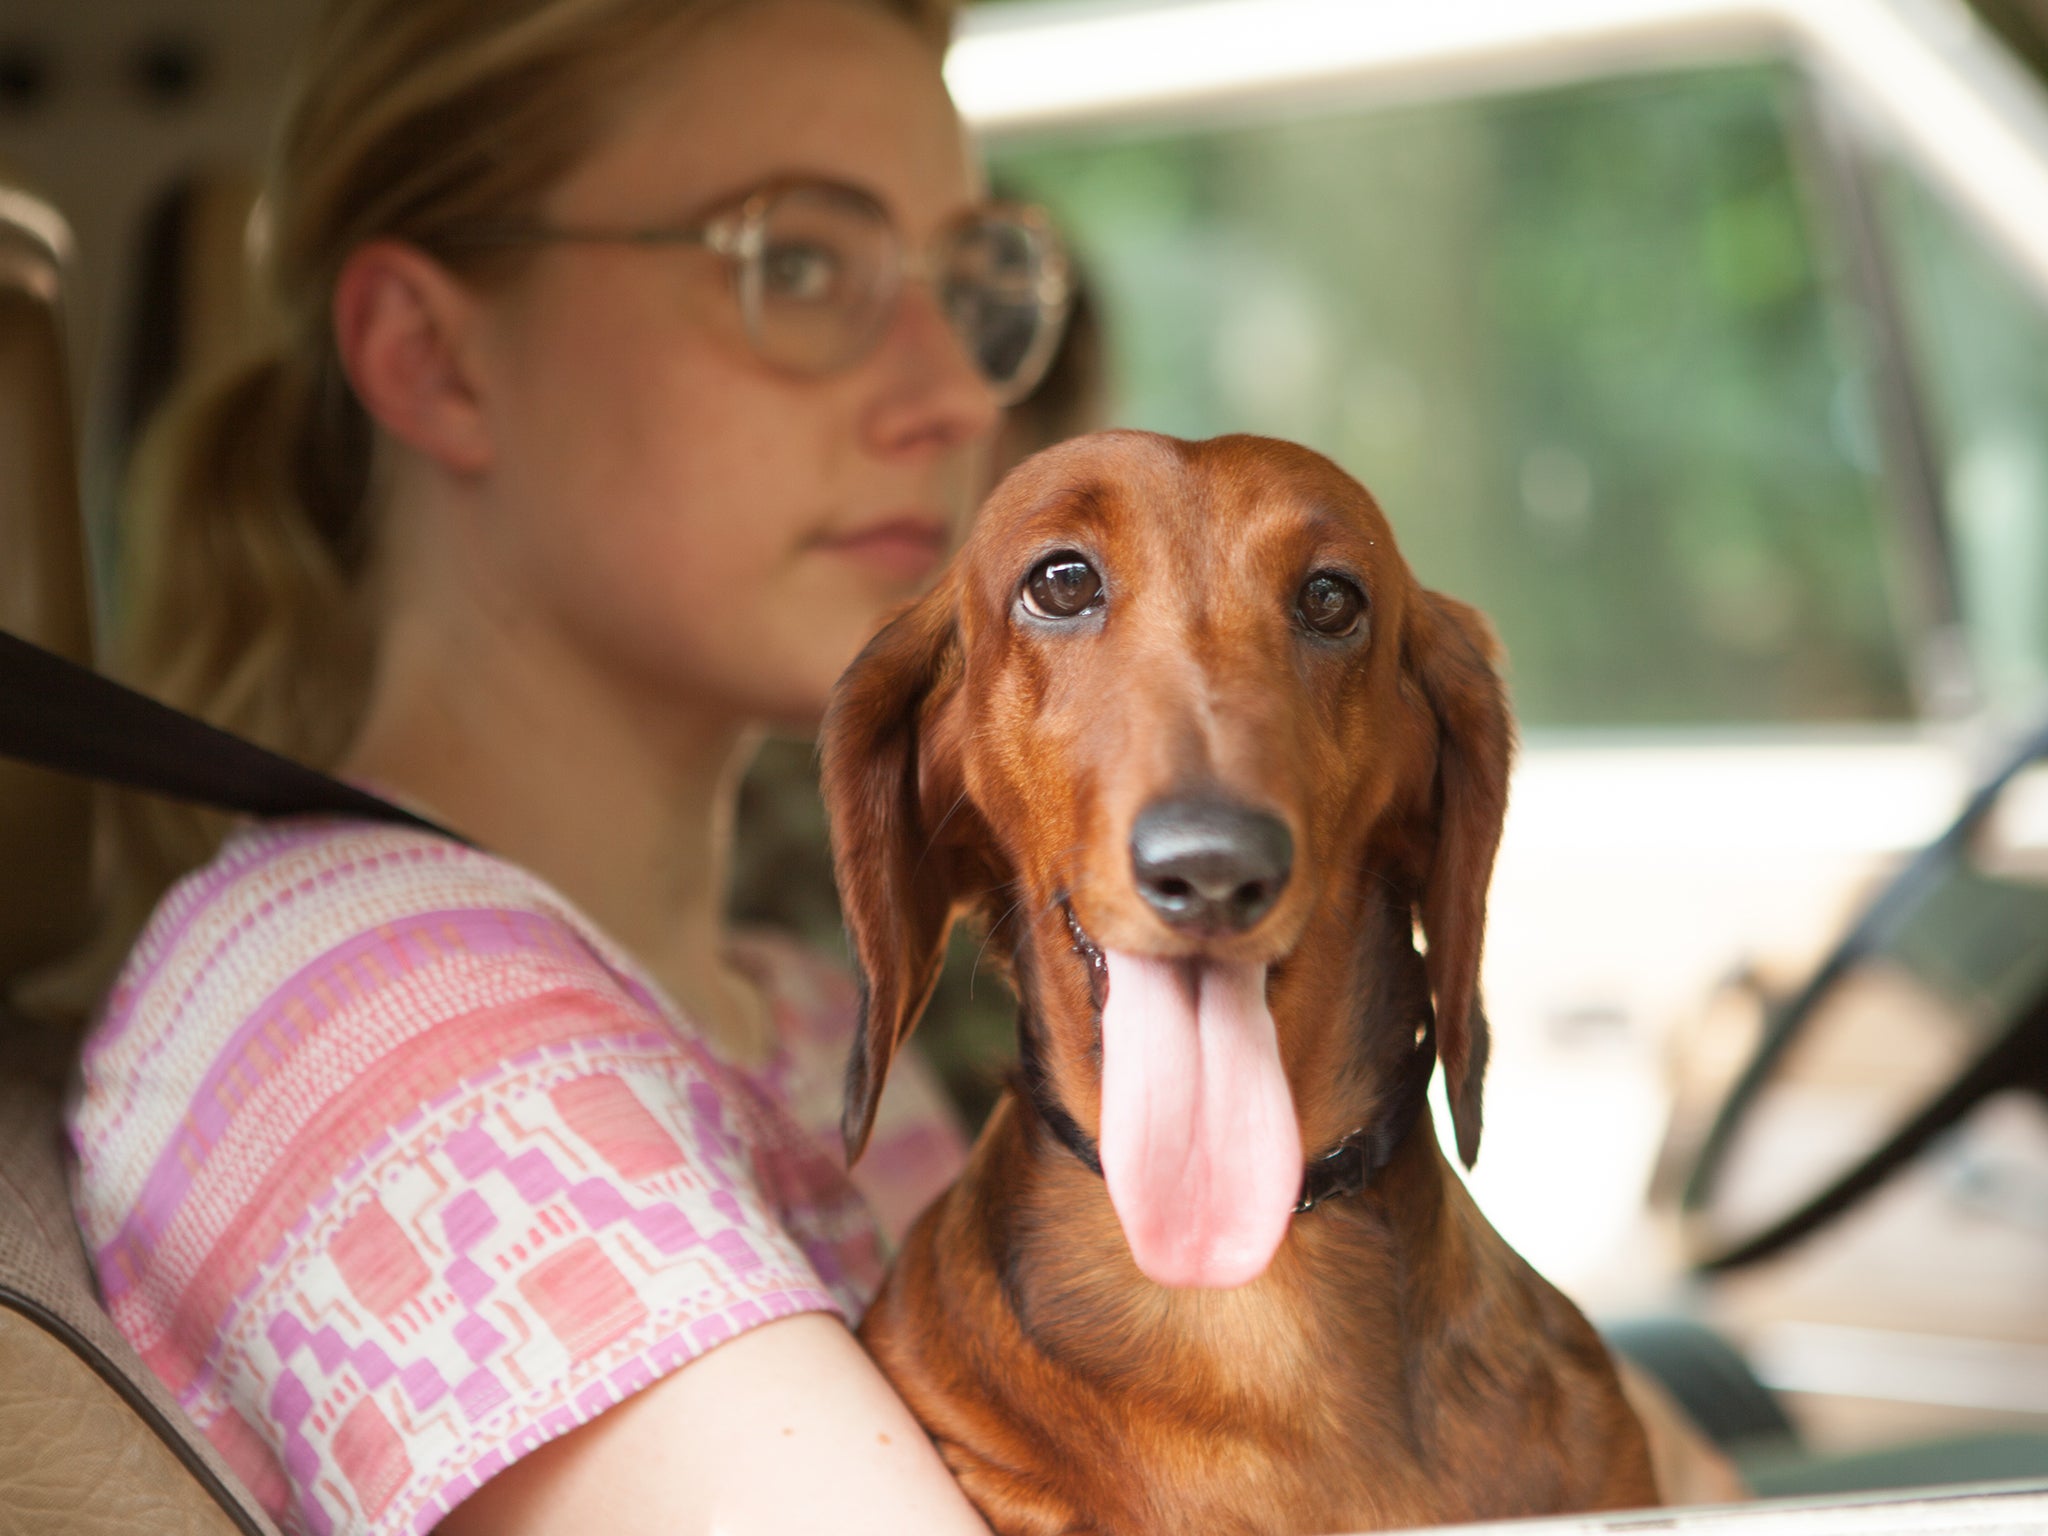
1182, 728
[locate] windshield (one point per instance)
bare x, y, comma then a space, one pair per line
1585, 344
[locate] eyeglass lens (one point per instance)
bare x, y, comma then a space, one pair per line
815, 277
821, 268
994, 293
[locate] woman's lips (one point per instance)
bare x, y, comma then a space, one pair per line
901, 548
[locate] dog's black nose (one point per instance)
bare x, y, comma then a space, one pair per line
1209, 866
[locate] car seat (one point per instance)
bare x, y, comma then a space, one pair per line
90, 1441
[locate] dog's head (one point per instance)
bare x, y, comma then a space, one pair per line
1174, 720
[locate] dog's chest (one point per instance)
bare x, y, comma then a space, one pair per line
1233, 1412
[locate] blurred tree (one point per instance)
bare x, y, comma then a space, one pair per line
1585, 344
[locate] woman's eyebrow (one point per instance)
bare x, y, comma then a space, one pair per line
770, 180
981, 197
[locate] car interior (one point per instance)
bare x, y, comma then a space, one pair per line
90, 1441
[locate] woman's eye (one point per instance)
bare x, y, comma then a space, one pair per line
806, 272
1329, 605
1062, 586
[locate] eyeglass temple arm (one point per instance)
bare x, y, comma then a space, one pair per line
719, 236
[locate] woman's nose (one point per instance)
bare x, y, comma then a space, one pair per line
932, 394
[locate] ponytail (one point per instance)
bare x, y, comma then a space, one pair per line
242, 592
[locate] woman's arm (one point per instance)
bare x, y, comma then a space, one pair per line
788, 1428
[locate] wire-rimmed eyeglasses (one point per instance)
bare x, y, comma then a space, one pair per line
818, 268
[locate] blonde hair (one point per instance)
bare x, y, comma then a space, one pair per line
252, 516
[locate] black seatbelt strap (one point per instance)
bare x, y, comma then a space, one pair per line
59, 715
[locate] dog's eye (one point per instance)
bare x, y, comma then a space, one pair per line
1329, 605
1062, 586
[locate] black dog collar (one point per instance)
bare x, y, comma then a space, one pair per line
1359, 1158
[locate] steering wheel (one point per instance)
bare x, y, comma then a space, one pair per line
1972, 941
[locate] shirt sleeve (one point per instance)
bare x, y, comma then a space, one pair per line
544, 1241
447, 1191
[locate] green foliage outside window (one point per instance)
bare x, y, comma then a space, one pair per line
1589, 350
1582, 344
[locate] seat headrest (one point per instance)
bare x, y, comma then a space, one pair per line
45, 819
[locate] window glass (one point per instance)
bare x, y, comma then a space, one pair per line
1981, 342
1581, 344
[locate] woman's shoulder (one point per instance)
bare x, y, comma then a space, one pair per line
379, 901
392, 934
279, 876
390, 1174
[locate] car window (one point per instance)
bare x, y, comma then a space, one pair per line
1583, 343
1980, 339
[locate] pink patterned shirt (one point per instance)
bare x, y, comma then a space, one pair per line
394, 1167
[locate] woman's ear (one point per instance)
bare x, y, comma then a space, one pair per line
404, 327
900, 845
1450, 652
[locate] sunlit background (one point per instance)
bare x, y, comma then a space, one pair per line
1708, 357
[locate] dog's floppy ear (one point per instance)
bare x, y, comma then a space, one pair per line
1451, 654
886, 760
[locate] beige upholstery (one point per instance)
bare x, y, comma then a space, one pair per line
90, 1442
43, 818
52, 1406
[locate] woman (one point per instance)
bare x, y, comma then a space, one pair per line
614, 406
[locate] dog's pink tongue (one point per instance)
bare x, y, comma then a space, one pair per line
1199, 1143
